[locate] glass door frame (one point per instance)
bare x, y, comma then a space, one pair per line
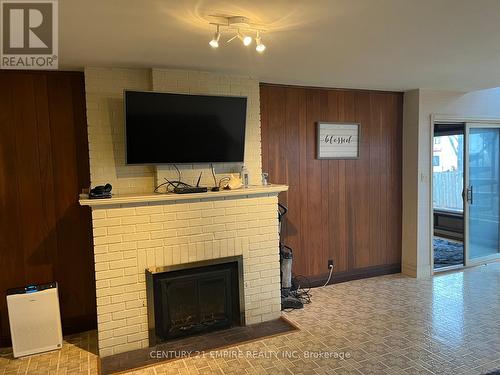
454, 123
493, 257
436, 118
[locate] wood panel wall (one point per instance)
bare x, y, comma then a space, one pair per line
345, 210
44, 234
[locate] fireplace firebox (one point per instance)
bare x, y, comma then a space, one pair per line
194, 298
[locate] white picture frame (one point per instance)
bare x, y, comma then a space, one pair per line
338, 140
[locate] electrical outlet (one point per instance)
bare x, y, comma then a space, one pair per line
330, 263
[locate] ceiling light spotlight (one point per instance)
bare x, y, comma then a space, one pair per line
246, 39
260, 47
214, 43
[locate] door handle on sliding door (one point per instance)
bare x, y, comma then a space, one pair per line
470, 194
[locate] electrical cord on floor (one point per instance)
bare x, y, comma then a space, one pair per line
299, 292
329, 276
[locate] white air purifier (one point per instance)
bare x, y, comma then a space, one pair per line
35, 320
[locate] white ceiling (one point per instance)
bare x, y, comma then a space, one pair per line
376, 44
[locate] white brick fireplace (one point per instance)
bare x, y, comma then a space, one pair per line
133, 233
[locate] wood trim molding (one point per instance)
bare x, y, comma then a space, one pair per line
360, 273
271, 84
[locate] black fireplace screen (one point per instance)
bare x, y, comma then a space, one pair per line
194, 300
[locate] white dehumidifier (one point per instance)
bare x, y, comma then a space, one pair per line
35, 320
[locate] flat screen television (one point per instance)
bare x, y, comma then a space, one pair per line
163, 128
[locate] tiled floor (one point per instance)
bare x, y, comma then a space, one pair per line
449, 324
77, 356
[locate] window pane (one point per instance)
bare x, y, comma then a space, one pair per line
484, 178
448, 173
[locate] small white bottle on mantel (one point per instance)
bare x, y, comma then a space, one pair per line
245, 178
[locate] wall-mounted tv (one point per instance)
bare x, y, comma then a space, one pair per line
163, 128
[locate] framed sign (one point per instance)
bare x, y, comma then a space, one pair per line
338, 140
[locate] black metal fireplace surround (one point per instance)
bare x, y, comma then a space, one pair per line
194, 298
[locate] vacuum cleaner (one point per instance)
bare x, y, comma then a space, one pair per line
288, 300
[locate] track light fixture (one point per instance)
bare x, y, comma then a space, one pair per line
260, 47
235, 24
214, 43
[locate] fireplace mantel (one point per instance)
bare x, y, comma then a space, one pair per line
147, 198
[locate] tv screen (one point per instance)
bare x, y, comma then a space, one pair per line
166, 128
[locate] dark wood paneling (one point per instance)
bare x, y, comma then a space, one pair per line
44, 234
11, 258
345, 210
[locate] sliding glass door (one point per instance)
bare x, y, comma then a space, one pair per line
482, 192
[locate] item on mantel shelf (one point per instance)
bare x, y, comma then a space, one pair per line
245, 177
265, 179
234, 182
101, 192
